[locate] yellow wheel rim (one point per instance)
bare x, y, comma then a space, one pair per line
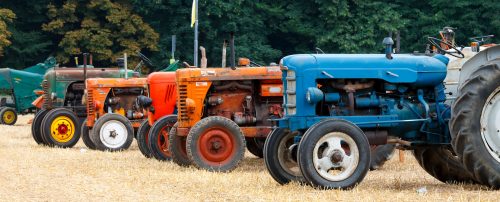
8, 117
62, 129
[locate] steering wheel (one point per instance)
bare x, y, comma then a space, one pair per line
437, 43
146, 59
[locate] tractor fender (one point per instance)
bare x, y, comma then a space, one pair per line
477, 61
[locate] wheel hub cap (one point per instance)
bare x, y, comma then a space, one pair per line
113, 134
335, 156
62, 129
8, 117
216, 145
490, 124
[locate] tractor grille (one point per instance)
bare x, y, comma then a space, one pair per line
90, 102
46, 94
291, 101
169, 93
182, 109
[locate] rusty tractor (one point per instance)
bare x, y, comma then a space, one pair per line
221, 111
112, 112
58, 122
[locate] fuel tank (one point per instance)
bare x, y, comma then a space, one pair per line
417, 70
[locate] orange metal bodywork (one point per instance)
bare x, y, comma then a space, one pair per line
194, 83
38, 102
163, 92
98, 90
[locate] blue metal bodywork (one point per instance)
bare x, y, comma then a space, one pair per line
408, 102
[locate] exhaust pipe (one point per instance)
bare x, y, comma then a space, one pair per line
224, 46
203, 57
85, 66
125, 65
233, 66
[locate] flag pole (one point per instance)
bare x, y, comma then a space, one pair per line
196, 35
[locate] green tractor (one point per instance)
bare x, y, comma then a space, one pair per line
59, 121
18, 89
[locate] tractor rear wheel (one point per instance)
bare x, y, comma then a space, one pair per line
112, 132
36, 128
178, 147
475, 124
142, 139
85, 133
442, 164
381, 154
280, 156
334, 154
8, 116
255, 145
158, 137
216, 144
60, 128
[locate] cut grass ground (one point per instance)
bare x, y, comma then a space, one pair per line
31, 172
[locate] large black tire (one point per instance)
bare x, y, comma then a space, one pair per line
158, 137
356, 148
85, 133
465, 125
255, 145
381, 154
61, 128
216, 144
442, 164
8, 116
112, 132
177, 148
142, 139
36, 132
280, 159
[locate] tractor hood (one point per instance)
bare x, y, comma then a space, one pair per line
403, 68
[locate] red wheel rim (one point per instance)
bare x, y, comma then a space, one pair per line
163, 140
216, 146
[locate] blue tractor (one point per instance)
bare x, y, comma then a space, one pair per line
337, 105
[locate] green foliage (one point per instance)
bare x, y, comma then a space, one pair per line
265, 30
6, 16
104, 28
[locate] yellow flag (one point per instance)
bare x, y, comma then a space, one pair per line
193, 13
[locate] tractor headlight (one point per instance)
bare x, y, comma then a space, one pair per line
314, 95
53, 95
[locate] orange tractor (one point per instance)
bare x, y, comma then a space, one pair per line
113, 112
161, 107
221, 111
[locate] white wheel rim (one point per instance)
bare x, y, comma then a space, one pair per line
490, 124
328, 148
289, 165
113, 134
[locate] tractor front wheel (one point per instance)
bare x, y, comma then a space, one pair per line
158, 137
85, 133
334, 154
142, 138
112, 132
255, 146
216, 144
36, 128
475, 124
178, 147
60, 128
280, 156
8, 116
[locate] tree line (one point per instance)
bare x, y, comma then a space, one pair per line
265, 30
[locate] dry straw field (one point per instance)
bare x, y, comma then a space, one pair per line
29, 172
